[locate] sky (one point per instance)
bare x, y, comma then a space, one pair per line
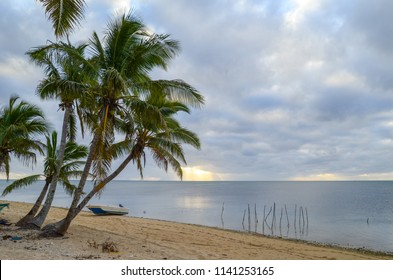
294, 89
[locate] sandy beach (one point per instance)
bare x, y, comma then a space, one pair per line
128, 238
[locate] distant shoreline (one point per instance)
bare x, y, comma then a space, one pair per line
139, 238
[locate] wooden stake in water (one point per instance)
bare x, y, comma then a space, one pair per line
222, 214
263, 221
281, 220
256, 218
249, 218
294, 223
244, 216
274, 216
307, 220
286, 212
304, 222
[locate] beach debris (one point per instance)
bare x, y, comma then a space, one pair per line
107, 247
5, 222
93, 244
5, 237
12, 238
87, 257
16, 238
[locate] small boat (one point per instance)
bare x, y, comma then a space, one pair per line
107, 210
4, 205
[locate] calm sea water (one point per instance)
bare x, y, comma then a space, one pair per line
353, 214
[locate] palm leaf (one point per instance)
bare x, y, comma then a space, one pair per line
64, 14
68, 186
21, 183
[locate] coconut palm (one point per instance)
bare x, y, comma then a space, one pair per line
64, 14
124, 60
160, 134
65, 81
162, 138
72, 160
20, 124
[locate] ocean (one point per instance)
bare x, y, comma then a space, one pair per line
355, 214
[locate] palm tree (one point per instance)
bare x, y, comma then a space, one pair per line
20, 123
124, 60
66, 81
160, 133
64, 14
72, 160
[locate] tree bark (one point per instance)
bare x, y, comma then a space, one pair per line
38, 220
23, 222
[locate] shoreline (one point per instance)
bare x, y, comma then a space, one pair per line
130, 238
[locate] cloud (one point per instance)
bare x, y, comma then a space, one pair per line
294, 89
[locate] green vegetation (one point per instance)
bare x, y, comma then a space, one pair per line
20, 125
106, 83
72, 155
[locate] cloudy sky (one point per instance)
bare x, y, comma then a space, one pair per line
295, 89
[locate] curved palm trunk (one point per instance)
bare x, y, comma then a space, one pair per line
38, 220
56, 229
23, 222
3, 164
60, 228
1, 160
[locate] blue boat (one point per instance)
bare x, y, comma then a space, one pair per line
107, 210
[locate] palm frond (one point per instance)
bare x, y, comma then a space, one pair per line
69, 168
74, 151
178, 90
68, 186
64, 14
21, 183
163, 159
186, 136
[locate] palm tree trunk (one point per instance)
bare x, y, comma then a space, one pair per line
1, 160
60, 228
3, 166
86, 172
38, 220
23, 222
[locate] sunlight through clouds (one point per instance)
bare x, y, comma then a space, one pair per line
320, 177
338, 177
197, 174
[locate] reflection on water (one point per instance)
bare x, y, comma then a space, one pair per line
193, 202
